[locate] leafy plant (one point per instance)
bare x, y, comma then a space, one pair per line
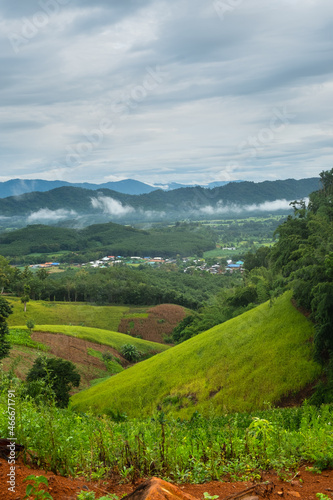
32, 490
131, 353
90, 495
322, 496
207, 496
86, 495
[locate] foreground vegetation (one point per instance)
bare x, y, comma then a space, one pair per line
241, 365
233, 445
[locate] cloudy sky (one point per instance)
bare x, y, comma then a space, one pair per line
178, 90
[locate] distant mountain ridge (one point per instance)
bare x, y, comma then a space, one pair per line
185, 203
16, 187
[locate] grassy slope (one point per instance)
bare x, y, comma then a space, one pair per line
240, 365
104, 337
24, 357
59, 313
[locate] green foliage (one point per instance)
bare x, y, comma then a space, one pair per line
112, 363
30, 324
322, 496
33, 491
115, 239
131, 353
90, 495
5, 311
26, 296
195, 451
19, 336
60, 375
304, 256
236, 366
86, 495
207, 496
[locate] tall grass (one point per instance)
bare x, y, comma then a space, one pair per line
198, 450
241, 365
75, 313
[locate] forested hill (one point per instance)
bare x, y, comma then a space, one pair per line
180, 202
183, 240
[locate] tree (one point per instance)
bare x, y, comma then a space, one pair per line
6, 273
58, 374
26, 296
5, 311
30, 325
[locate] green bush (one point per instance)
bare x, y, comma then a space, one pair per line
59, 375
131, 353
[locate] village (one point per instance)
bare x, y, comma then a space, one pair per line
188, 264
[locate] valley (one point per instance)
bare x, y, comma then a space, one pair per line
211, 365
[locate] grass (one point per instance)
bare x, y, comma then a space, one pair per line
22, 337
111, 364
103, 337
74, 313
238, 446
250, 361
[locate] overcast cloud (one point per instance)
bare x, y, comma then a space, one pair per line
178, 90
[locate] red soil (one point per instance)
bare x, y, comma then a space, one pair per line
270, 487
161, 321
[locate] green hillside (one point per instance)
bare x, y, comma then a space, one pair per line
243, 364
60, 313
103, 337
110, 238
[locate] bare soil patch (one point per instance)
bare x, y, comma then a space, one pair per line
270, 487
75, 349
161, 321
68, 348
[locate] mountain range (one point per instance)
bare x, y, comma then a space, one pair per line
88, 206
16, 187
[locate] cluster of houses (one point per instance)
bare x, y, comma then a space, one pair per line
194, 265
112, 260
45, 265
201, 265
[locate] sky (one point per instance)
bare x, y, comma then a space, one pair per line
189, 91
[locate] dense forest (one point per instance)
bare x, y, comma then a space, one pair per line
301, 260
110, 239
116, 285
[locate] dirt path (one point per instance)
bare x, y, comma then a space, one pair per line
304, 486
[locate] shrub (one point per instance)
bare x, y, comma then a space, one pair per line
58, 374
131, 353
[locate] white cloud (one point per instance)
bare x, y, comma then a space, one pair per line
111, 206
268, 206
44, 214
